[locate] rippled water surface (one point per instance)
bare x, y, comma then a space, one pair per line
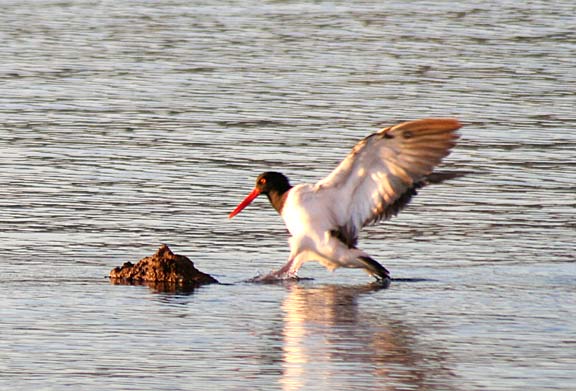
128, 124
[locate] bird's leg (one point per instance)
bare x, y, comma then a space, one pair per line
285, 270
374, 268
289, 270
284, 273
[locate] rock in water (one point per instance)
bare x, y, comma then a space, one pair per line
164, 266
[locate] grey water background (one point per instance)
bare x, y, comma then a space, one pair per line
127, 124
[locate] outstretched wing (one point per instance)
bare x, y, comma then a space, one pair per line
381, 174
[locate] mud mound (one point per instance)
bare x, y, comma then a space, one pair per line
164, 266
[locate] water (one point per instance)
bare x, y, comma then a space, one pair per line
128, 124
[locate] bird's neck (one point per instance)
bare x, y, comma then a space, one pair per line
277, 198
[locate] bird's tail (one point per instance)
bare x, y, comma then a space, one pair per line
374, 268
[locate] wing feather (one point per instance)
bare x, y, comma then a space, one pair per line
383, 171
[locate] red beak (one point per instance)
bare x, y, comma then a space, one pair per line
249, 198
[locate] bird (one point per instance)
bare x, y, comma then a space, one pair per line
375, 181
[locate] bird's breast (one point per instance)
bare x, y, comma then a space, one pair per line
305, 212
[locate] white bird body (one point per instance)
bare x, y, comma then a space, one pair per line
375, 181
310, 223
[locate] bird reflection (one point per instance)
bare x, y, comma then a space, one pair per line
329, 339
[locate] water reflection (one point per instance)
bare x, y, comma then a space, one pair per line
329, 339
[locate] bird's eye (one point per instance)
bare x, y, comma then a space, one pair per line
262, 181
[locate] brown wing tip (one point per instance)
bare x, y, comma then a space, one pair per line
445, 123
428, 124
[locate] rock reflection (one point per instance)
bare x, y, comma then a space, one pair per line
160, 286
329, 340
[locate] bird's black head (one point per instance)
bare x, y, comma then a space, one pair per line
272, 182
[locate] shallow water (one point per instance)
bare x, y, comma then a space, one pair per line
128, 124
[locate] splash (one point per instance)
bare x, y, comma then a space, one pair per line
276, 276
